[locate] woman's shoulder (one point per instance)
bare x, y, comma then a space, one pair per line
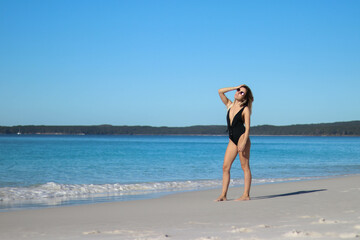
246, 109
229, 105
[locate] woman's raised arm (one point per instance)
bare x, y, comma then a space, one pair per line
222, 92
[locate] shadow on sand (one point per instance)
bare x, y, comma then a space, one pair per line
287, 194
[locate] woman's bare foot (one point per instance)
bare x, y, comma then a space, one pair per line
243, 198
221, 199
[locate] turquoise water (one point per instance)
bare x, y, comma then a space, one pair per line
42, 170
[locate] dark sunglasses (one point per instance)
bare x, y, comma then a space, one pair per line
241, 92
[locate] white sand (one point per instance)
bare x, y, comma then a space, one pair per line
318, 209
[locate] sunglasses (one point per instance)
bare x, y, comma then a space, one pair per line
241, 92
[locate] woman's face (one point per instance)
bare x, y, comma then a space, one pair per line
240, 94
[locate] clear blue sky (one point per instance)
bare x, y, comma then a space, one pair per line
160, 63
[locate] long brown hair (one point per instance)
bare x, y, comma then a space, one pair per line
249, 98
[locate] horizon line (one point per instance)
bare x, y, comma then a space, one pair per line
110, 125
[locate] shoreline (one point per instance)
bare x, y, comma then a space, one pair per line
9, 204
323, 209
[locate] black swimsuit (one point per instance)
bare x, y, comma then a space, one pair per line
236, 129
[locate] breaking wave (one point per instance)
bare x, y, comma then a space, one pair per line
52, 190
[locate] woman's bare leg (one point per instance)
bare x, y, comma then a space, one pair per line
230, 155
244, 160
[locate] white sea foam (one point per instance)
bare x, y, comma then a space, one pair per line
51, 191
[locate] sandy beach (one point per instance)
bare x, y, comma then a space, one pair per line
316, 209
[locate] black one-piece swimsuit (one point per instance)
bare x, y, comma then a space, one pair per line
236, 128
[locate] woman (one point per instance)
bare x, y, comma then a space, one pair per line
238, 114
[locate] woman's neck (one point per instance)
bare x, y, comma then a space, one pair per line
238, 103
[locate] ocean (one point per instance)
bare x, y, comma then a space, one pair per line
57, 170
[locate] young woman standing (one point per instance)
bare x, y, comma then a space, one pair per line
238, 115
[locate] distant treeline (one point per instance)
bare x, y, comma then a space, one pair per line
323, 129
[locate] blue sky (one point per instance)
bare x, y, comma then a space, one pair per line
160, 63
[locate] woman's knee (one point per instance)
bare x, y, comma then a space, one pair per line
226, 168
245, 166
244, 160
